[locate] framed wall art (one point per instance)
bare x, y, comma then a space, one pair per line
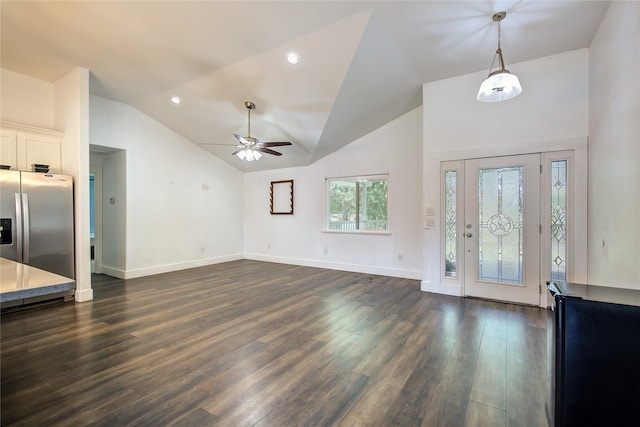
282, 197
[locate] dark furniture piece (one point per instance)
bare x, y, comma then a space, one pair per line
594, 356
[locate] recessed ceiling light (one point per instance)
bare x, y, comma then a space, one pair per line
292, 58
176, 99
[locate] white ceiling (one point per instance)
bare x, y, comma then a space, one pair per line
362, 63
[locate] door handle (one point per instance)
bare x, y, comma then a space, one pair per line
18, 227
468, 234
26, 233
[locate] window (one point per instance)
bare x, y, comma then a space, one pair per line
357, 204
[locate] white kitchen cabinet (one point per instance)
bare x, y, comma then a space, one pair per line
21, 146
8, 148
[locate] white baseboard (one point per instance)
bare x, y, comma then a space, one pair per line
355, 268
82, 295
453, 290
112, 271
132, 274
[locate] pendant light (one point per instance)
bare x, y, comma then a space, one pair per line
501, 84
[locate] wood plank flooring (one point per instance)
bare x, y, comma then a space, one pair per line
249, 343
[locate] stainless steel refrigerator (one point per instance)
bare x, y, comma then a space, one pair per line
36, 220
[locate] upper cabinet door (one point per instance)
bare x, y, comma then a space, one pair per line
8, 149
22, 146
40, 149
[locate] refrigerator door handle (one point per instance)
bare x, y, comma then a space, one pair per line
26, 228
18, 227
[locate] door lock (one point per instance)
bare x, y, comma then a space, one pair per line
468, 234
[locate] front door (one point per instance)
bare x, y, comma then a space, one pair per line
502, 228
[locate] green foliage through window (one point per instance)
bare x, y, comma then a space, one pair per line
357, 204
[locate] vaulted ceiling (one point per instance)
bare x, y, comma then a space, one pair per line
361, 63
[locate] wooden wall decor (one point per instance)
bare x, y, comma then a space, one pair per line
282, 197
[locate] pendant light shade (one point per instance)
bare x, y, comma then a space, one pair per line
501, 84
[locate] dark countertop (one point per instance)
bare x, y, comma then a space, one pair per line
595, 292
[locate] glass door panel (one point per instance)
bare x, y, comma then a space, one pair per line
500, 194
451, 223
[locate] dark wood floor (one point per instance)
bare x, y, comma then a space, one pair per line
251, 343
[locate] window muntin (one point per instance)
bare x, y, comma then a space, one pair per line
357, 204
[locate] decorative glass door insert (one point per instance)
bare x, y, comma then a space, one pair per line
559, 204
500, 224
450, 223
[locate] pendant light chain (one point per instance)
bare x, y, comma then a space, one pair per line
499, 33
493, 61
499, 51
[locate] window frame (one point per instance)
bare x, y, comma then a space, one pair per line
356, 179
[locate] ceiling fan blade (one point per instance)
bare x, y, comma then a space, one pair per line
268, 151
274, 144
237, 151
241, 139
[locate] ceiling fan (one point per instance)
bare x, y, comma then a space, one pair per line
251, 148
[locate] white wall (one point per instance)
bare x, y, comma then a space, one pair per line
71, 95
183, 205
299, 239
550, 114
614, 148
26, 100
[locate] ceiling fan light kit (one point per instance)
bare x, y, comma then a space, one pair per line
248, 154
500, 85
